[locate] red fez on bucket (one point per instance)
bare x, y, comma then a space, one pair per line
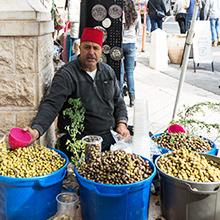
92, 34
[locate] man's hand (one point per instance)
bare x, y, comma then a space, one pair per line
34, 133
123, 131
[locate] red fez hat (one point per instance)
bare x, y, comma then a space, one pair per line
92, 34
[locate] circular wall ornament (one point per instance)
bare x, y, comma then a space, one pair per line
116, 53
104, 32
99, 12
115, 11
106, 23
106, 49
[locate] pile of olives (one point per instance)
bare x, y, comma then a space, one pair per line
175, 141
29, 161
189, 165
116, 167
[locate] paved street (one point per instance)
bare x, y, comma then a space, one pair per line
203, 78
160, 88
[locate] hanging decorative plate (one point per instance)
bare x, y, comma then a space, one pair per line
116, 53
106, 49
106, 23
104, 32
115, 11
103, 58
99, 12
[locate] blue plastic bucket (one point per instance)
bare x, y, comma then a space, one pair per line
115, 202
31, 198
213, 151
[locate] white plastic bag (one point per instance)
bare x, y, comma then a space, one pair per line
120, 144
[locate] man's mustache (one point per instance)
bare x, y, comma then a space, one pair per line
91, 57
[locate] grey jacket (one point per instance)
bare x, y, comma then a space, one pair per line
101, 98
155, 4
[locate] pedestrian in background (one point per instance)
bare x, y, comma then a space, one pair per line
74, 18
202, 10
75, 49
153, 7
212, 12
130, 20
167, 4
179, 11
189, 12
148, 23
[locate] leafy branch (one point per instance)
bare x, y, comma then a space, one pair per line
186, 117
76, 114
199, 107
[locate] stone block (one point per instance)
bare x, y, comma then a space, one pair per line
26, 28
7, 120
45, 51
18, 91
7, 64
25, 54
45, 78
24, 118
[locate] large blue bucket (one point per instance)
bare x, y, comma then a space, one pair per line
31, 198
115, 202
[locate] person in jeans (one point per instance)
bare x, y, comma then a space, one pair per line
154, 5
189, 12
148, 23
96, 85
212, 12
130, 20
74, 18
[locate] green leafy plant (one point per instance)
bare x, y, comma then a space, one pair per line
187, 117
76, 114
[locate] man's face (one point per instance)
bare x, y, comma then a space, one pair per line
90, 54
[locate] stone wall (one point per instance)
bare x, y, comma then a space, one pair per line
26, 65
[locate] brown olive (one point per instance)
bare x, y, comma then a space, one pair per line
117, 167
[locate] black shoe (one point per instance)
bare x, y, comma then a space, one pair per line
132, 98
125, 90
131, 103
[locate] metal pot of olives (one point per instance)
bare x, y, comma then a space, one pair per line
190, 185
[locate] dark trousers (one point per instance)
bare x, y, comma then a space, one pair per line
181, 19
156, 23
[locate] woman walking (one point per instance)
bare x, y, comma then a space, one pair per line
212, 12
130, 20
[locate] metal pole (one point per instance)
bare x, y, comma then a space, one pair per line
188, 45
144, 30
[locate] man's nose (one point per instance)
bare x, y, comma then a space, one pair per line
91, 51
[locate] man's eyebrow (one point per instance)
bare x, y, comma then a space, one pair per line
87, 44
